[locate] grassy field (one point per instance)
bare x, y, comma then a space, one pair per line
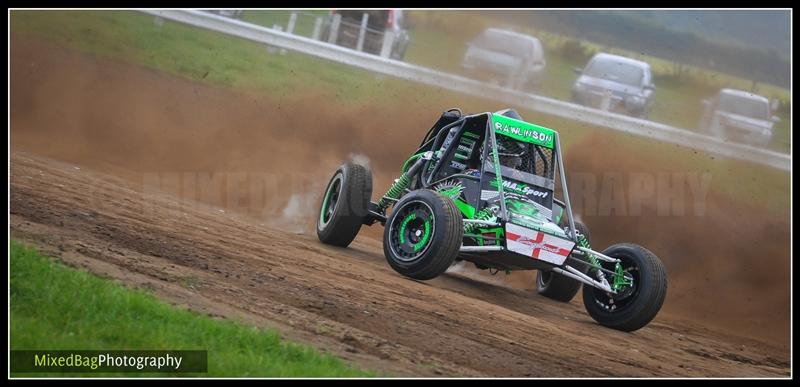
56, 307
678, 100
440, 41
216, 59
677, 103
195, 54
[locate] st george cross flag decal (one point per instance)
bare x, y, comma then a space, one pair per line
537, 244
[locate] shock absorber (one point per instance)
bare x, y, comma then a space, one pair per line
394, 193
593, 261
402, 183
583, 242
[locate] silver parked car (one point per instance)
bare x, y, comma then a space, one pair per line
737, 115
510, 58
615, 83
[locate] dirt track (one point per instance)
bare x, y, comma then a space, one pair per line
79, 128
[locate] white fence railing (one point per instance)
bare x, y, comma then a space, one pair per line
375, 63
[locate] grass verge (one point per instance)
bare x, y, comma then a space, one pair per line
56, 307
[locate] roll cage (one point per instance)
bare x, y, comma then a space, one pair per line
457, 142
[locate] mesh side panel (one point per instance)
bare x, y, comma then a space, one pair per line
535, 159
532, 158
542, 161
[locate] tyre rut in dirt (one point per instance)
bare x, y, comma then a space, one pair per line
556, 286
423, 235
344, 205
633, 307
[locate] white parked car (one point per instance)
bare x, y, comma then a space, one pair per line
740, 116
509, 58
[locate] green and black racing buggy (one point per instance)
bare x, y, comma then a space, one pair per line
480, 189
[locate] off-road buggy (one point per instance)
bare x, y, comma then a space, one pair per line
480, 189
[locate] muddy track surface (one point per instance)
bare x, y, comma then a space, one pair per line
87, 132
346, 300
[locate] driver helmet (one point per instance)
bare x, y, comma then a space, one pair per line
510, 152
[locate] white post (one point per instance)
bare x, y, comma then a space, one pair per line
388, 42
159, 21
272, 49
317, 28
362, 32
292, 22
337, 18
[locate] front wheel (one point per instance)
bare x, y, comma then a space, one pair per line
423, 235
344, 205
633, 306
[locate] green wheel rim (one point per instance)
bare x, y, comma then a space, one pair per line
330, 200
624, 299
411, 231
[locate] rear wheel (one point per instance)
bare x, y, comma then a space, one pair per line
556, 286
344, 205
423, 235
633, 306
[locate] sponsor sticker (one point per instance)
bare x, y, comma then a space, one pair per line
523, 131
519, 188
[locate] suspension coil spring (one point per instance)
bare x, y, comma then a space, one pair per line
583, 242
395, 191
